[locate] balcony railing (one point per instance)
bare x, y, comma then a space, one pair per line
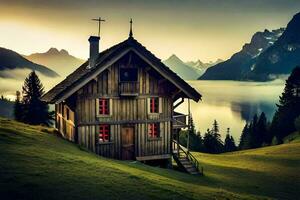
180, 121
130, 88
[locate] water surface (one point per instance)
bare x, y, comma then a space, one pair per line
232, 103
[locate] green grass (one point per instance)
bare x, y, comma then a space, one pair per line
292, 138
37, 164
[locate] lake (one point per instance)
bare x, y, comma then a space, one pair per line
232, 103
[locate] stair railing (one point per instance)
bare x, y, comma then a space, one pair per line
188, 155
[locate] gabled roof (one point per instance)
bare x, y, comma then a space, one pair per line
83, 74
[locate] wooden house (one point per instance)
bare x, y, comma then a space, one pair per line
120, 103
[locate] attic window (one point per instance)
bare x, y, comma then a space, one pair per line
104, 133
128, 74
153, 130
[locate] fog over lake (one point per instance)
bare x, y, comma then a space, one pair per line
232, 103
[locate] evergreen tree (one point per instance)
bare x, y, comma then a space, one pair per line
256, 133
288, 108
216, 132
212, 142
229, 144
18, 108
208, 142
35, 111
233, 147
245, 138
262, 135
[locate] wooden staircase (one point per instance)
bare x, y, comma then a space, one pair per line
185, 160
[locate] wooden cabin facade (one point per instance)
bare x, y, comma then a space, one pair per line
120, 103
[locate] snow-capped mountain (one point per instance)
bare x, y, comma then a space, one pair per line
201, 65
241, 63
282, 57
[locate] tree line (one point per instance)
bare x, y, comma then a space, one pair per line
258, 132
285, 121
211, 141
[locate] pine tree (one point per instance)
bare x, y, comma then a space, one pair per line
35, 111
288, 108
208, 142
245, 138
229, 144
261, 135
233, 147
212, 142
18, 108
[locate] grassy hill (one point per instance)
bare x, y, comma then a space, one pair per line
37, 164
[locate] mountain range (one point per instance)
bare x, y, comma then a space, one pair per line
268, 55
188, 70
60, 61
11, 60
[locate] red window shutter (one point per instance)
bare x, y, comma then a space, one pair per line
154, 105
104, 133
104, 106
153, 130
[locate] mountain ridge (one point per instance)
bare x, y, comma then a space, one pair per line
188, 70
59, 60
239, 64
11, 60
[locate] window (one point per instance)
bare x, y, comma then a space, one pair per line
104, 106
154, 105
104, 133
153, 130
128, 74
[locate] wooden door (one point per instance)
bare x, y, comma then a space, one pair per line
127, 143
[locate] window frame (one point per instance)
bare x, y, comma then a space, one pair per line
103, 132
109, 107
154, 105
159, 107
151, 133
130, 71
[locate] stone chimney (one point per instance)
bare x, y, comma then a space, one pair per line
94, 50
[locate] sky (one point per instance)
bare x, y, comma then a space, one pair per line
192, 29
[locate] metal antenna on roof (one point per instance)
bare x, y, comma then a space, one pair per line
99, 20
130, 32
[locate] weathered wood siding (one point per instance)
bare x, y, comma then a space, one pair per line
65, 121
125, 111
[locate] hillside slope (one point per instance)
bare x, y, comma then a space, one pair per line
37, 164
10, 60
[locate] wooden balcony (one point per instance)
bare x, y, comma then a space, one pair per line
130, 88
180, 121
